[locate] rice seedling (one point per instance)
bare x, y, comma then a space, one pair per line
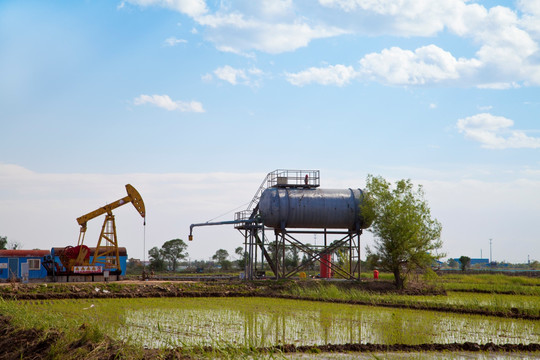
494, 303
245, 324
493, 283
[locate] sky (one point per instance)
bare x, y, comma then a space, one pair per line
193, 102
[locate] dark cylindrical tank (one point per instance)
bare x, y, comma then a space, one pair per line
311, 208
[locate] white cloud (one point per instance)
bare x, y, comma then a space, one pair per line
238, 76
276, 7
230, 74
188, 7
207, 77
406, 17
172, 41
494, 132
499, 86
331, 75
507, 53
485, 107
473, 211
531, 17
235, 32
426, 65
165, 102
51, 203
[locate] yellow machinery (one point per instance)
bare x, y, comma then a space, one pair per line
106, 255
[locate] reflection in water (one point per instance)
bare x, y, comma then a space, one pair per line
267, 322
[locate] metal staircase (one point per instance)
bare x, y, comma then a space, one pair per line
279, 178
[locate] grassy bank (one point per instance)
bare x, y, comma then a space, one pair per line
489, 304
496, 283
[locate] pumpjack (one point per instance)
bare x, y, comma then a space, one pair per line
105, 256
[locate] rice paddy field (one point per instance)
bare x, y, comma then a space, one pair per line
483, 310
263, 322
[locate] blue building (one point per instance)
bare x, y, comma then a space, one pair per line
15, 263
480, 262
56, 252
21, 265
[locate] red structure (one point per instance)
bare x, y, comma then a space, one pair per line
326, 266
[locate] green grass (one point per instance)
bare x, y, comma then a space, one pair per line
236, 327
493, 303
496, 283
491, 279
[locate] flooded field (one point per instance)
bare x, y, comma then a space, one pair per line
421, 356
261, 322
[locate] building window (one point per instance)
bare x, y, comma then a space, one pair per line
34, 264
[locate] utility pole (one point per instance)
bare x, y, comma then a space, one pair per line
490, 259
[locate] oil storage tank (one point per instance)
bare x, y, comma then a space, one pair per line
311, 208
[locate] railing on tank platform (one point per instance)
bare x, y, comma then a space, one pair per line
294, 178
241, 216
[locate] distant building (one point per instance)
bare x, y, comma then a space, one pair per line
479, 262
20, 265
14, 264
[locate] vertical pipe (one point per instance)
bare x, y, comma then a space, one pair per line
251, 258
284, 270
327, 264
255, 248
262, 247
276, 255
350, 255
246, 260
359, 259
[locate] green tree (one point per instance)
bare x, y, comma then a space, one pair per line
292, 258
372, 261
157, 263
242, 262
465, 262
173, 251
305, 257
3, 242
405, 233
453, 263
134, 266
221, 258
14, 245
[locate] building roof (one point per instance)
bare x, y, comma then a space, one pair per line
475, 261
24, 253
122, 251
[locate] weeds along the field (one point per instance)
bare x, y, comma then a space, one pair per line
237, 327
492, 283
493, 303
496, 279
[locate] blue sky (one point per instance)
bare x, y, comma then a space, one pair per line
194, 101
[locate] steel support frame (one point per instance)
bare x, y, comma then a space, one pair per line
284, 238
